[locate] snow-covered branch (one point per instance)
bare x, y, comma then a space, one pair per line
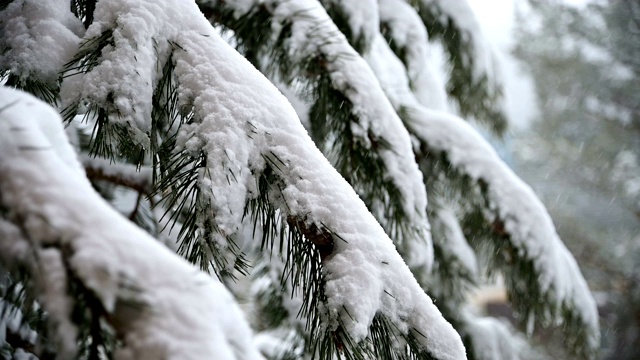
39, 38
351, 118
122, 174
460, 15
227, 166
359, 20
407, 35
236, 141
365, 276
511, 203
473, 82
160, 306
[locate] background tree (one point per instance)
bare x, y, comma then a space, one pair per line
582, 153
180, 134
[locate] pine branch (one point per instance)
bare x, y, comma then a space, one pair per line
42, 90
113, 137
88, 55
337, 338
130, 176
17, 299
474, 91
31, 61
529, 293
520, 233
366, 154
222, 147
358, 33
304, 247
177, 176
407, 36
455, 270
108, 255
83, 10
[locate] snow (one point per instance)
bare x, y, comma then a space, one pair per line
41, 36
364, 263
461, 13
352, 76
185, 313
491, 338
20, 354
313, 33
54, 284
524, 216
133, 56
11, 320
362, 16
188, 313
364, 275
408, 31
280, 344
162, 306
525, 219
456, 245
129, 175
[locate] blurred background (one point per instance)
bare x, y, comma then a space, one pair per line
570, 70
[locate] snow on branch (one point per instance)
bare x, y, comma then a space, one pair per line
364, 275
511, 206
39, 37
490, 338
240, 149
473, 81
357, 20
460, 14
160, 306
456, 266
351, 119
404, 30
122, 174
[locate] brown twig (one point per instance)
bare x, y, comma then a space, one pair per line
141, 184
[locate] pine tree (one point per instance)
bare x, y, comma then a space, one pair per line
163, 115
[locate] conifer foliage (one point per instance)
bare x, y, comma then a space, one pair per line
172, 147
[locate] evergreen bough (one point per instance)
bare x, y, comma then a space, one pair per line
293, 247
